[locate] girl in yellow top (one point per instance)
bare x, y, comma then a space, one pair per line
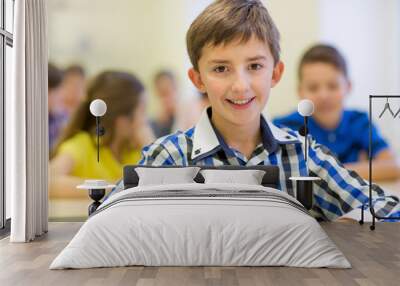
75, 156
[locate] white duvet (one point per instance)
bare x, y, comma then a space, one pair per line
200, 224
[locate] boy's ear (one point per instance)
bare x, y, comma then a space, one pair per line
196, 79
277, 73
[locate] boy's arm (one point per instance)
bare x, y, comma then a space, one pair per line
384, 164
384, 159
341, 190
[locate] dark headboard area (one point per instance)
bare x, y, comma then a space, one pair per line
270, 179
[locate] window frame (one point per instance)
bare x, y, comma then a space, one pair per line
6, 39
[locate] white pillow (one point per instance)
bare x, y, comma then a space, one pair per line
248, 177
164, 176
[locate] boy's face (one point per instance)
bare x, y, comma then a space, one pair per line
237, 78
326, 86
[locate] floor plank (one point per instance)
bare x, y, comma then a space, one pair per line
375, 257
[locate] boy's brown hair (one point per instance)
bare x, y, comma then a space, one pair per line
226, 20
323, 53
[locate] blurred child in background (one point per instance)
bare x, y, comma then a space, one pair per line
57, 118
166, 91
74, 88
323, 78
126, 132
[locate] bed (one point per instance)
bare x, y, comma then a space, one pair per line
201, 224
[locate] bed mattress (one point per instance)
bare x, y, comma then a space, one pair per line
201, 225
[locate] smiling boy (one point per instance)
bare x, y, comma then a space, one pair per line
234, 49
237, 76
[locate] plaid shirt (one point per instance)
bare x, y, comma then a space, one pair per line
338, 192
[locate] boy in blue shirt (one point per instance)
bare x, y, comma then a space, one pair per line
323, 78
234, 49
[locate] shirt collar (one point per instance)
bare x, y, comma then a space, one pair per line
208, 140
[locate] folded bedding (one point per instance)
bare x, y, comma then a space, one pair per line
195, 224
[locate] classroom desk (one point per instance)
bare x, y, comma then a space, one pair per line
77, 209
69, 209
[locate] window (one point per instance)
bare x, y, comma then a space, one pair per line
6, 44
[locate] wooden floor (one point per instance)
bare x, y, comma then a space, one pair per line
375, 256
